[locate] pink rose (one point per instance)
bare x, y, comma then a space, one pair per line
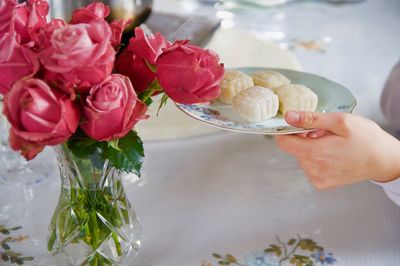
39, 115
6, 13
148, 48
112, 109
23, 18
98, 12
80, 55
189, 74
93, 12
42, 36
132, 62
16, 61
28, 149
136, 69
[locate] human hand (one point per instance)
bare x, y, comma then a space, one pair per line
345, 149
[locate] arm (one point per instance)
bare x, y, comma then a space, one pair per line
390, 100
346, 149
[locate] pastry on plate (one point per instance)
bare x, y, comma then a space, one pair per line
296, 97
256, 104
269, 79
234, 81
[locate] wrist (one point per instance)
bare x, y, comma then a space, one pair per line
397, 163
385, 180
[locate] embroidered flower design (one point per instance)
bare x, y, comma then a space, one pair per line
323, 258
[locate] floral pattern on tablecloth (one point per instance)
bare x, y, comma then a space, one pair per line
7, 239
295, 251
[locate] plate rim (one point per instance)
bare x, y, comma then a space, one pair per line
292, 130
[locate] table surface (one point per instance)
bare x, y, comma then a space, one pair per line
231, 193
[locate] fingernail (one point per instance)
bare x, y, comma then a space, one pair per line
292, 117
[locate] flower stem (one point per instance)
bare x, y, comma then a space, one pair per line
95, 229
117, 243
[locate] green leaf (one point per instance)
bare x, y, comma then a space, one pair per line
308, 244
163, 102
5, 232
304, 244
153, 68
300, 257
129, 156
148, 101
146, 94
293, 260
27, 258
5, 246
231, 258
274, 247
19, 261
278, 252
150, 90
114, 144
217, 256
4, 257
303, 259
222, 262
81, 145
291, 241
16, 228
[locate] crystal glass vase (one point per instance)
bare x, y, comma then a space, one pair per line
94, 223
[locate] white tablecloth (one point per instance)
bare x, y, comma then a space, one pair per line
233, 193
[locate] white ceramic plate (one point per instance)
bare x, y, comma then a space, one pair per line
332, 97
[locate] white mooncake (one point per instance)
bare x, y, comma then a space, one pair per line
269, 79
256, 104
234, 81
296, 97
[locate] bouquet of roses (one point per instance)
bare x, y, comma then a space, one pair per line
75, 83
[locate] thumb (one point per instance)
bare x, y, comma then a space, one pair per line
332, 122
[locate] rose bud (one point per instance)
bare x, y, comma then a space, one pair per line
39, 115
189, 74
112, 109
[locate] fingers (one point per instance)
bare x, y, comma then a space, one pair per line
315, 175
313, 158
333, 122
297, 146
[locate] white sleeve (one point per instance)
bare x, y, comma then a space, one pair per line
392, 189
